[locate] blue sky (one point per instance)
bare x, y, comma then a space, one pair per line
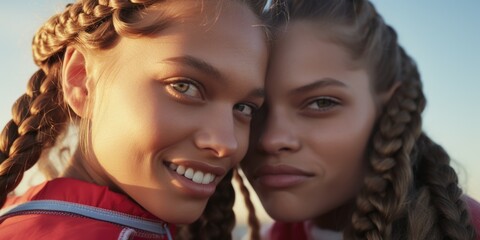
442, 36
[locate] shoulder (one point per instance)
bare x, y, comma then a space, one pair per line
85, 193
474, 209
64, 222
48, 226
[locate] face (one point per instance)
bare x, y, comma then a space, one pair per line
171, 116
309, 156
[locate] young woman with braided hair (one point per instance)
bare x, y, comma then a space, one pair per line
162, 93
340, 152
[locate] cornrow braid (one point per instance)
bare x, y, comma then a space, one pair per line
253, 222
92, 24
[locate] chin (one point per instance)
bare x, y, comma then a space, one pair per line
289, 216
287, 208
185, 215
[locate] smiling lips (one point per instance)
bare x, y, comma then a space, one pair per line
196, 176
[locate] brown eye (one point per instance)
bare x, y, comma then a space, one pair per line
322, 104
244, 109
186, 88
181, 87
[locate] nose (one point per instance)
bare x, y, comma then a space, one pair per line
217, 135
278, 135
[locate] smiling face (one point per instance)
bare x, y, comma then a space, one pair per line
173, 116
309, 158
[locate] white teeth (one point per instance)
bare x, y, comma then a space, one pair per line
189, 173
181, 170
173, 166
196, 176
207, 178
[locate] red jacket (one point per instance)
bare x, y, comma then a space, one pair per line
59, 225
288, 231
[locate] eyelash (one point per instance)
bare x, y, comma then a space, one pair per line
253, 109
332, 102
171, 87
191, 85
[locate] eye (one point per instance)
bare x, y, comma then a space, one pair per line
244, 109
185, 87
322, 104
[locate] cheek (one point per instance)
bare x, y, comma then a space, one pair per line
341, 146
134, 126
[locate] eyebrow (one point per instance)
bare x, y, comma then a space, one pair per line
197, 64
207, 68
321, 83
257, 93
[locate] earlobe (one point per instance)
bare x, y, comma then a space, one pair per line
74, 81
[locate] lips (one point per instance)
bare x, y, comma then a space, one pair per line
281, 170
194, 178
281, 176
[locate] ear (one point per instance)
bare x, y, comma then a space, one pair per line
387, 95
74, 81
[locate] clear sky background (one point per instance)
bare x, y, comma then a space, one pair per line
442, 36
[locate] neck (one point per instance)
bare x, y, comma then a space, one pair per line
337, 219
81, 168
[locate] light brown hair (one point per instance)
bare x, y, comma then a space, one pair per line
40, 116
410, 191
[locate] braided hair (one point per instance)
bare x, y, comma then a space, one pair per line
410, 191
41, 115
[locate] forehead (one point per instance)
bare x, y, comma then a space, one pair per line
305, 51
231, 22
224, 34
305, 41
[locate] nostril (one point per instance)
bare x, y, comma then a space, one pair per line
284, 149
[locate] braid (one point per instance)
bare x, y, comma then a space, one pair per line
40, 115
410, 191
252, 217
62, 29
218, 219
383, 198
96, 24
435, 174
219, 212
397, 202
38, 118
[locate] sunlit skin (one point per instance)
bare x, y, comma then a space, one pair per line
184, 97
308, 160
